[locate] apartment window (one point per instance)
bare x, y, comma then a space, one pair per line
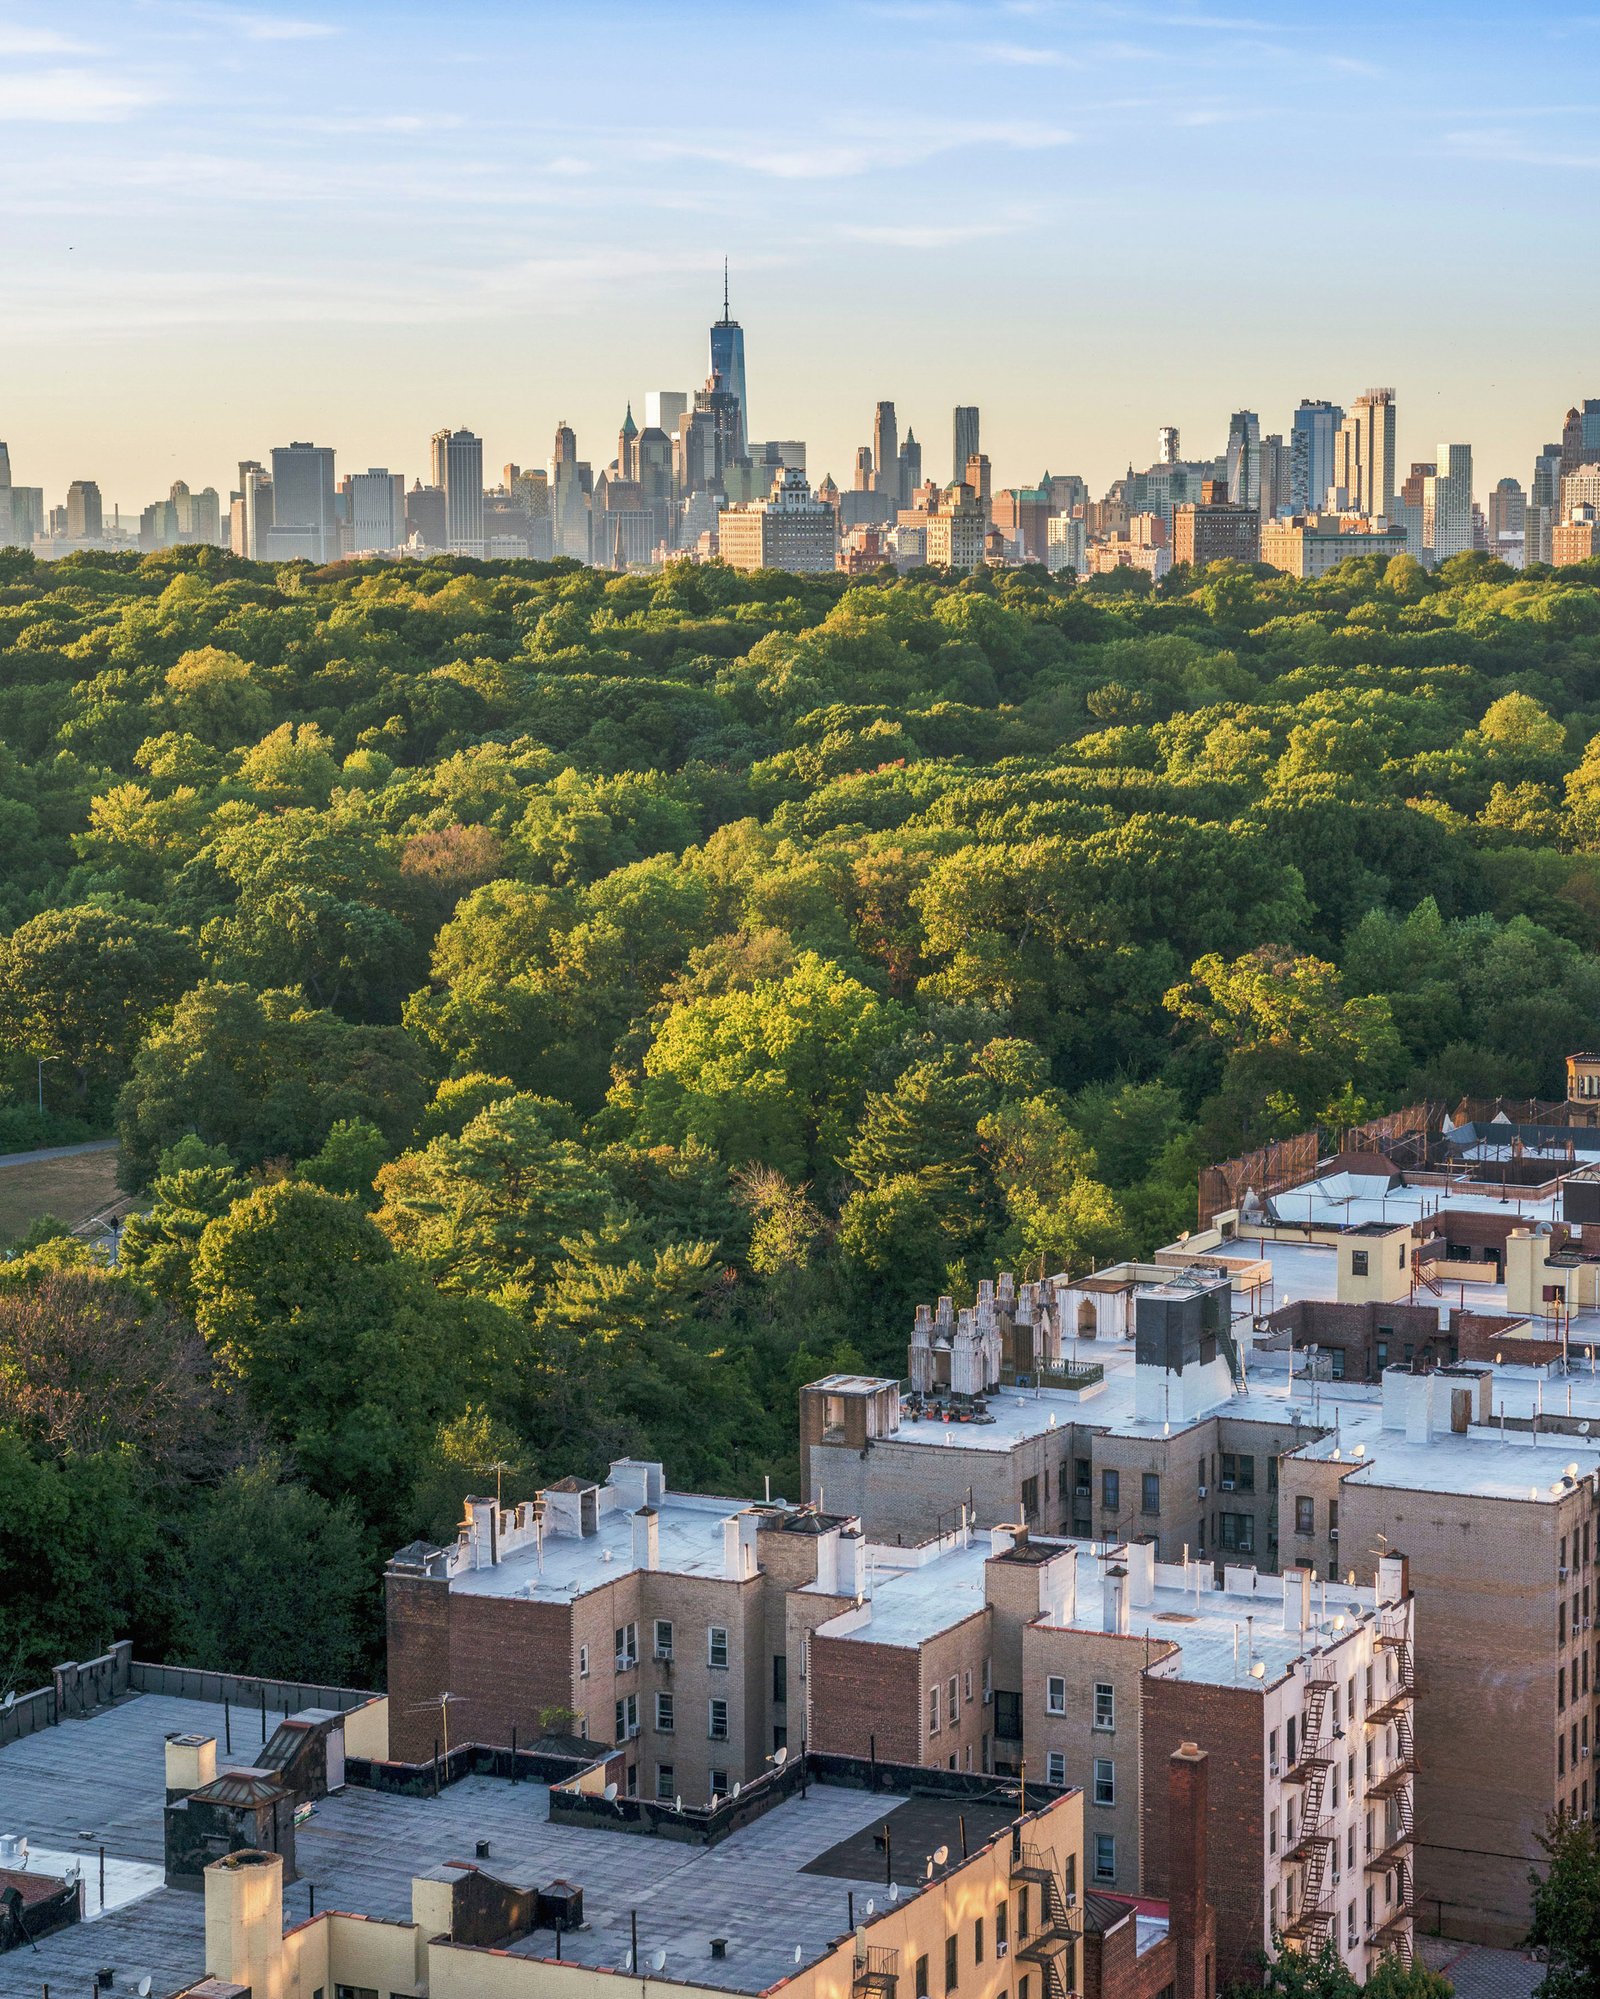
1055, 1694
1561, 1688
952, 1700
1008, 1716
1350, 1698
1333, 1520
933, 1709
664, 1715
1000, 1914
1022, 1915
1238, 1472
1030, 1496
1272, 1830
780, 1737
716, 1646
718, 1785
1272, 1913
583, 1662
1110, 1490
922, 1978
1272, 1474
780, 1677
355, 1992
1237, 1533
1105, 1704
952, 1947
966, 1686
988, 1681
1381, 1354
1150, 1492
627, 1637
1358, 1263
1056, 1767
1082, 1477
1272, 1753
977, 1940
1105, 1781
1105, 1856
1336, 1364
666, 1786
717, 1721
663, 1637
627, 1717
1305, 1514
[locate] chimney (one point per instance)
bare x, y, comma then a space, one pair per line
1114, 1601
1058, 1587
1142, 1572
191, 1762
1193, 1924
647, 1538
1296, 1599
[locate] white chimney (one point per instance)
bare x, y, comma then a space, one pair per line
1114, 1601
1142, 1573
732, 1552
828, 1561
647, 1538
1296, 1599
1058, 1587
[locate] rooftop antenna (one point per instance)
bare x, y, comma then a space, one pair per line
725, 313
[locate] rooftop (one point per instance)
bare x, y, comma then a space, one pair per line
559, 1567
780, 1884
910, 1600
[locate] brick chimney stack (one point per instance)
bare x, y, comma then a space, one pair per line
1192, 1919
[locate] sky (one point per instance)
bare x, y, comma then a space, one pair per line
226, 226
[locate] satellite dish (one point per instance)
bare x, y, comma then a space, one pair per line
1572, 1471
627, 1960
780, 1757
144, 1987
11, 1698
930, 1867
1259, 1670
737, 1788
1354, 1609
871, 1905
940, 1855
1583, 1431
894, 1891
610, 1794
660, 1960
677, 1803
797, 1953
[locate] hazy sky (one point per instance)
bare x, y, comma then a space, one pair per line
225, 226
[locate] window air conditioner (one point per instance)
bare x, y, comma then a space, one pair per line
1202, 1492
1227, 1485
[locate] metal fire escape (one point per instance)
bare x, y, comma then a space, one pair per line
1394, 1792
1052, 1945
1314, 1917
875, 1973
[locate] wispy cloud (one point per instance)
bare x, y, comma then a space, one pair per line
68, 95
927, 235
1016, 55
252, 25
17, 40
1509, 148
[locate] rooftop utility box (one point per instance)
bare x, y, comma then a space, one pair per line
1181, 1324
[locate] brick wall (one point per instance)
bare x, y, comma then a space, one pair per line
417, 1611
864, 1695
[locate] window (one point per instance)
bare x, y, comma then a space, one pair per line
1055, 1694
1105, 1704
933, 1709
952, 1946
1008, 1716
1333, 1520
1105, 1781
1272, 1753
1272, 1474
1030, 1496
1056, 1767
717, 1721
718, 1785
988, 1681
1305, 1514
666, 1786
664, 1714
1110, 1490
627, 1638
1150, 1492
1000, 1932
977, 1940
1022, 1914
780, 1737
952, 1700
583, 1662
922, 1978
1358, 1263
1272, 1830
356, 1992
780, 1676
1237, 1532
966, 1686
663, 1645
1081, 1477
1336, 1364
716, 1646
1105, 1856
627, 1717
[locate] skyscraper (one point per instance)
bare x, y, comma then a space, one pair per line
664, 409
967, 447
458, 468
1311, 441
1366, 453
84, 512
1277, 478
1572, 441
569, 504
303, 521
628, 447
886, 450
1447, 504
910, 468
1243, 472
727, 361
1167, 444
377, 510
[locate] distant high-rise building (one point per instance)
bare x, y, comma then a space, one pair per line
1218, 529
1544, 503
1591, 430
956, 529
1243, 470
1580, 488
967, 446
1364, 453
886, 450
84, 511
727, 361
910, 468
1447, 504
976, 476
255, 490
1167, 444
1311, 449
788, 530
627, 447
377, 516
457, 464
304, 521
664, 409
5, 467
1572, 441
1508, 522
425, 516
1408, 507
1277, 478
653, 456
863, 471
569, 503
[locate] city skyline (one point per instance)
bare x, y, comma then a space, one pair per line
244, 225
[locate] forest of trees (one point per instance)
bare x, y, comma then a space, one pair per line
549, 1015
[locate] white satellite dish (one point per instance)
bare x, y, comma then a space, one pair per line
871, 1905
737, 1789
1258, 1671
894, 1891
609, 1794
930, 1867
797, 1953
11, 1700
780, 1757
940, 1855
660, 1960
677, 1803
627, 1960
144, 1987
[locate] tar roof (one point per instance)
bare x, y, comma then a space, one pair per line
102, 1780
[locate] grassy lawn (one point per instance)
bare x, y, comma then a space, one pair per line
72, 1189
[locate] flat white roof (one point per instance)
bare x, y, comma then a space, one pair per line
911, 1604
690, 1527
